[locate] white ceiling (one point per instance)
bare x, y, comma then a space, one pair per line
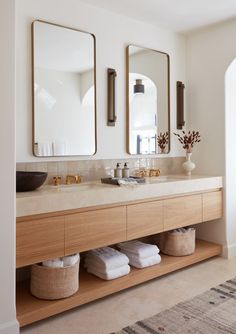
177, 15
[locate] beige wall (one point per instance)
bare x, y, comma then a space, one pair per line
113, 33
8, 324
209, 54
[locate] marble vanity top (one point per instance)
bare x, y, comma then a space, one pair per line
59, 198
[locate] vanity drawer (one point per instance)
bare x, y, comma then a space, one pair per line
212, 205
39, 240
182, 211
93, 229
144, 219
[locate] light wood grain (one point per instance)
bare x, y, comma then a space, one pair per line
93, 229
144, 219
43, 237
183, 211
31, 309
212, 205
39, 240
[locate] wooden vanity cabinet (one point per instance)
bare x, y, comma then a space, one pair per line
44, 237
182, 211
93, 229
144, 219
212, 205
39, 240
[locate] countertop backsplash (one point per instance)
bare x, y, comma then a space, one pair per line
91, 170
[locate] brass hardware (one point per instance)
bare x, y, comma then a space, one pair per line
142, 173
56, 180
154, 172
180, 104
111, 98
75, 178
148, 172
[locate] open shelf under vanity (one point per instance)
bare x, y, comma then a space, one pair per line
31, 309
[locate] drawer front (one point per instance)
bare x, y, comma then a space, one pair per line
39, 240
144, 219
212, 205
182, 211
93, 229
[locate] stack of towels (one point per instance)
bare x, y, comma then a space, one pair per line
140, 254
107, 263
61, 262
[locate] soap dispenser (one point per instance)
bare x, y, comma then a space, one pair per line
125, 170
118, 171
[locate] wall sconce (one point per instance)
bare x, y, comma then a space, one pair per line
138, 87
111, 97
180, 104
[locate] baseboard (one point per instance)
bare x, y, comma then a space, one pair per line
229, 251
11, 327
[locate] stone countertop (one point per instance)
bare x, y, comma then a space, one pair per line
68, 197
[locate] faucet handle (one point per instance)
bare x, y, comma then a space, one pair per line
56, 180
77, 178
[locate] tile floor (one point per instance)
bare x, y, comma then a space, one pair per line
124, 308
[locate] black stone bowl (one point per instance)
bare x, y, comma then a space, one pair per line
28, 181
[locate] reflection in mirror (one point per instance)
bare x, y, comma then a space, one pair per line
63, 91
148, 100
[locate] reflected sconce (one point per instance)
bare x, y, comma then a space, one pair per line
138, 87
180, 105
111, 93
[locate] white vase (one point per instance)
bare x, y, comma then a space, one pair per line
188, 165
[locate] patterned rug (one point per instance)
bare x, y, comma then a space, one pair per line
213, 312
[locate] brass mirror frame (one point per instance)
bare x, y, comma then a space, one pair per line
33, 95
127, 99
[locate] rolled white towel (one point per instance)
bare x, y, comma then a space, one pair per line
106, 258
145, 262
70, 260
136, 247
54, 263
110, 274
181, 230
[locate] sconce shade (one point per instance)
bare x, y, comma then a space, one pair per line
138, 87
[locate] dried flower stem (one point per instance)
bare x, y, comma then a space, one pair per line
163, 140
189, 139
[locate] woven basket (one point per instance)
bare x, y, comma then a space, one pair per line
54, 283
177, 244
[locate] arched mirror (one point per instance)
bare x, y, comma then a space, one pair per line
147, 101
64, 91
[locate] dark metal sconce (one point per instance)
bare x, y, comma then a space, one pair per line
180, 104
111, 108
138, 87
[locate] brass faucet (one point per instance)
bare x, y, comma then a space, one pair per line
75, 178
154, 172
148, 172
